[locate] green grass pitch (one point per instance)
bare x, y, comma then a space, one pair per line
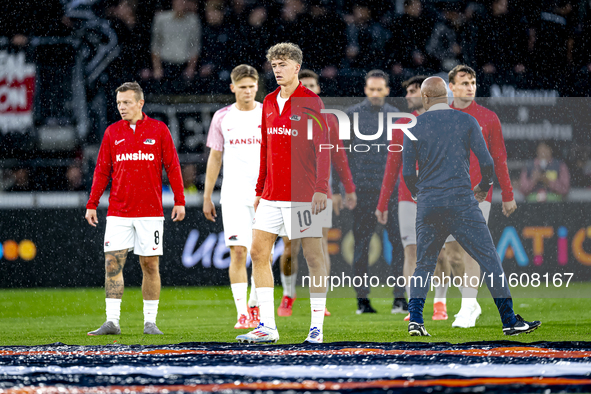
207, 314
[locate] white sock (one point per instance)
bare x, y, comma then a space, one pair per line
239, 294
150, 311
266, 306
469, 297
113, 309
288, 285
252, 300
294, 282
441, 293
317, 306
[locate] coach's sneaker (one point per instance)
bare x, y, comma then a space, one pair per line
400, 305
243, 322
467, 317
439, 311
261, 334
254, 316
521, 326
151, 329
314, 336
417, 330
364, 306
108, 328
285, 306
326, 312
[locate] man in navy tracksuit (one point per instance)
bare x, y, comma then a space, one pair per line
446, 204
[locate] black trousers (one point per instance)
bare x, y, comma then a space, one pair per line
364, 226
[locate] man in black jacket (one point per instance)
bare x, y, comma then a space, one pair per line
367, 169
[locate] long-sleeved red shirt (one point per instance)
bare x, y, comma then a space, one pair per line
134, 160
394, 171
493, 136
338, 157
293, 168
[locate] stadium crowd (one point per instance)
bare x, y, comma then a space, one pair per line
189, 47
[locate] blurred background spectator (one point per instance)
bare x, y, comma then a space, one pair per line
545, 178
176, 45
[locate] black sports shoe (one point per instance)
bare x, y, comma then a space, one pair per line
400, 305
417, 330
364, 306
521, 326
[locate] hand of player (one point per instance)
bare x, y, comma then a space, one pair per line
337, 203
351, 201
382, 216
509, 207
479, 194
178, 213
209, 210
91, 217
318, 203
257, 200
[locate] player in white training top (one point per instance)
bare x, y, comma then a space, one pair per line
235, 137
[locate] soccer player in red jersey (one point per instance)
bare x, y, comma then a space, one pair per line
291, 189
132, 154
407, 207
462, 82
338, 158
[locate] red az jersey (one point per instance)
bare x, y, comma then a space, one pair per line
338, 157
134, 160
493, 136
394, 171
293, 168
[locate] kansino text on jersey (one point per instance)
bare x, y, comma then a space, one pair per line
135, 156
282, 131
363, 148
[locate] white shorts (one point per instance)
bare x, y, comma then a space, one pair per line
295, 221
237, 220
142, 235
485, 208
407, 220
326, 215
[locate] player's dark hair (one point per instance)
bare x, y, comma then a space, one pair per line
416, 80
377, 74
134, 87
461, 68
308, 74
285, 51
244, 71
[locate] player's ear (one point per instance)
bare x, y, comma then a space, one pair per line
232, 88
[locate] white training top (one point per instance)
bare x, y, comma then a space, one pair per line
238, 134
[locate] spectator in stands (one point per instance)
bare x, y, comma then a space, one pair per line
176, 44
501, 40
410, 34
189, 172
324, 23
551, 36
579, 166
256, 33
293, 23
365, 41
75, 178
133, 43
21, 180
218, 49
445, 44
545, 178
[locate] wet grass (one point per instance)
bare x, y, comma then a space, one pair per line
207, 314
